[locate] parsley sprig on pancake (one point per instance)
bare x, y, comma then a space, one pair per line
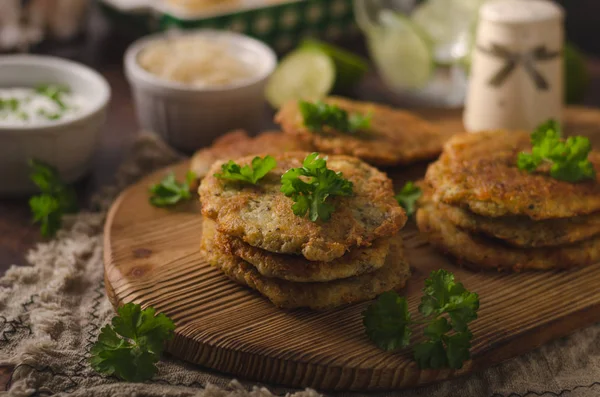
249, 173
319, 115
568, 158
311, 185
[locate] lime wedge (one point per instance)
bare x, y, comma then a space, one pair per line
302, 74
401, 51
350, 68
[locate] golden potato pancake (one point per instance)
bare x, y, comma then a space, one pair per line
523, 232
519, 231
396, 137
317, 296
238, 143
262, 216
479, 171
484, 253
297, 269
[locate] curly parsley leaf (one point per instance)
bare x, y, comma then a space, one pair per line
408, 196
170, 192
311, 185
444, 295
47, 212
249, 174
132, 344
568, 158
320, 114
55, 200
447, 308
387, 321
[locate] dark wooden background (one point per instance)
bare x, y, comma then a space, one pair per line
102, 48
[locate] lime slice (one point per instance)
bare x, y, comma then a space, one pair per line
302, 74
350, 67
401, 51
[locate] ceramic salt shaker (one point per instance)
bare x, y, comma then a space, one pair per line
517, 66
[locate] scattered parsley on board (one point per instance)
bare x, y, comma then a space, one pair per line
170, 192
408, 197
447, 308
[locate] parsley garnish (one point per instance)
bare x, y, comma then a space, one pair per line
54, 92
568, 158
130, 346
56, 198
311, 186
12, 104
170, 192
319, 115
249, 174
408, 196
447, 308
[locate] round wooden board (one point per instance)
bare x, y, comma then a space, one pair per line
152, 258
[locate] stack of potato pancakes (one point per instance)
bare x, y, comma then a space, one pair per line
481, 208
250, 232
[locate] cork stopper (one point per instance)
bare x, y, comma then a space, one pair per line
520, 11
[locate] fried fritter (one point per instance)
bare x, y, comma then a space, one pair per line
519, 231
395, 137
297, 269
523, 232
479, 252
237, 144
479, 171
318, 296
262, 216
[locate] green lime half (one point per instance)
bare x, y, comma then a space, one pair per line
350, 68
302, 74
402, 53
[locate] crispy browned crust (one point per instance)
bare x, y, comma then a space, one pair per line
519, 231
479, 171
238, 143
522, 231
396, 136
483, 253
297, 269
262, 216
317, 296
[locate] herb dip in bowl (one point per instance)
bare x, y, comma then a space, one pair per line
51, 110
46, 103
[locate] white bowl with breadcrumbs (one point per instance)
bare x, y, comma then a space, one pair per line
192, 87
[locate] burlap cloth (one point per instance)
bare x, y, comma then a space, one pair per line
51, 312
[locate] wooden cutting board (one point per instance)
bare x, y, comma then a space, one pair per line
151, 258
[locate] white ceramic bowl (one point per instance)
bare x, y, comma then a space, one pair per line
189, 117
68, 145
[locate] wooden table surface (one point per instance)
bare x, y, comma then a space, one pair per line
102, 49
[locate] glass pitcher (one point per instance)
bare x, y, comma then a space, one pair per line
422, 48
